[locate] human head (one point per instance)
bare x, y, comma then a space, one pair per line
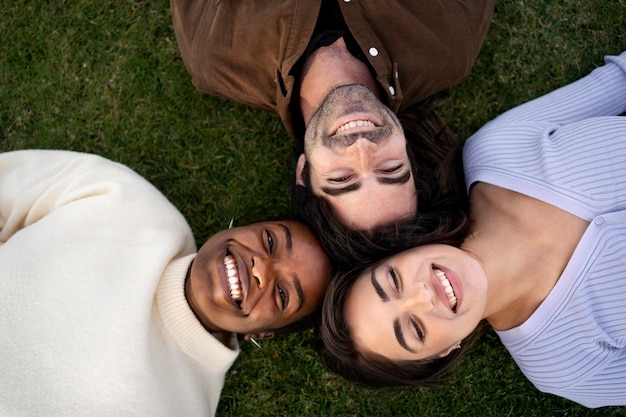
435, 158
347, 356
440, 185
258, 278
417, 304
355, 152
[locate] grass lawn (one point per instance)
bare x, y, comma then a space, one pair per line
107, 78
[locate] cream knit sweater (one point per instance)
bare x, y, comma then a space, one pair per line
92, 310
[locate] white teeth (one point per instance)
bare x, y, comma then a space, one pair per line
447, 287
234, 284
355, 123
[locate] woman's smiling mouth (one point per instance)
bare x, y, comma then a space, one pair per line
447, 287
232, 275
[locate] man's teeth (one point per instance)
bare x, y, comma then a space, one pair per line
355, 123
447, 287
234, 284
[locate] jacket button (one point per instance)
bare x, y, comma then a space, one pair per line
373, 51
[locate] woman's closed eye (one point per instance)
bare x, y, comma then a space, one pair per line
416, 330
282, 296
397, 283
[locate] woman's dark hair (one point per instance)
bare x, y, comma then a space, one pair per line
435, 157
370, 369
305, 323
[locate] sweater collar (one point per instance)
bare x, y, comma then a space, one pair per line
181, 323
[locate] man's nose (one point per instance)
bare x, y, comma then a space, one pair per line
261, 271
362, 150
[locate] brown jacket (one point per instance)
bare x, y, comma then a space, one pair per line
244, 50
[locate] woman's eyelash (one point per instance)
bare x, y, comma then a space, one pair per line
270, 241
283, 298
420, 333
394, 277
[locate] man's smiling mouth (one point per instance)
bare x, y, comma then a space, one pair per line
352, 124
234, 283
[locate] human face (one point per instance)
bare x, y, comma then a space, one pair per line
356, 151
258, 277
417, 304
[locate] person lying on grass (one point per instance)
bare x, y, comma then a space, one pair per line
338, 73
107, 307
543, 262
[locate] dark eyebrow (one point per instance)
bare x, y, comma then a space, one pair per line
396, 180
402, 179
379, 290
299, 292
287, 233
398, 331
340, 191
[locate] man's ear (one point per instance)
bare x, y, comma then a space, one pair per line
260, 336
300, 169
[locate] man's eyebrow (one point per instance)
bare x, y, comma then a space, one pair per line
287, 233
379, 290
402, 179
399, 336
340, 191
396, 180
299, 292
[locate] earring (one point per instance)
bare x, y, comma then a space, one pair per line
457, 346
255, 343
230, 225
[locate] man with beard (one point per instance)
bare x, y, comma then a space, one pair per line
341, 71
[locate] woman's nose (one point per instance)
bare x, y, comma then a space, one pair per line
260, 270
362, 150
419, 299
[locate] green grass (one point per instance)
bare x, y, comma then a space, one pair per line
106, 77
